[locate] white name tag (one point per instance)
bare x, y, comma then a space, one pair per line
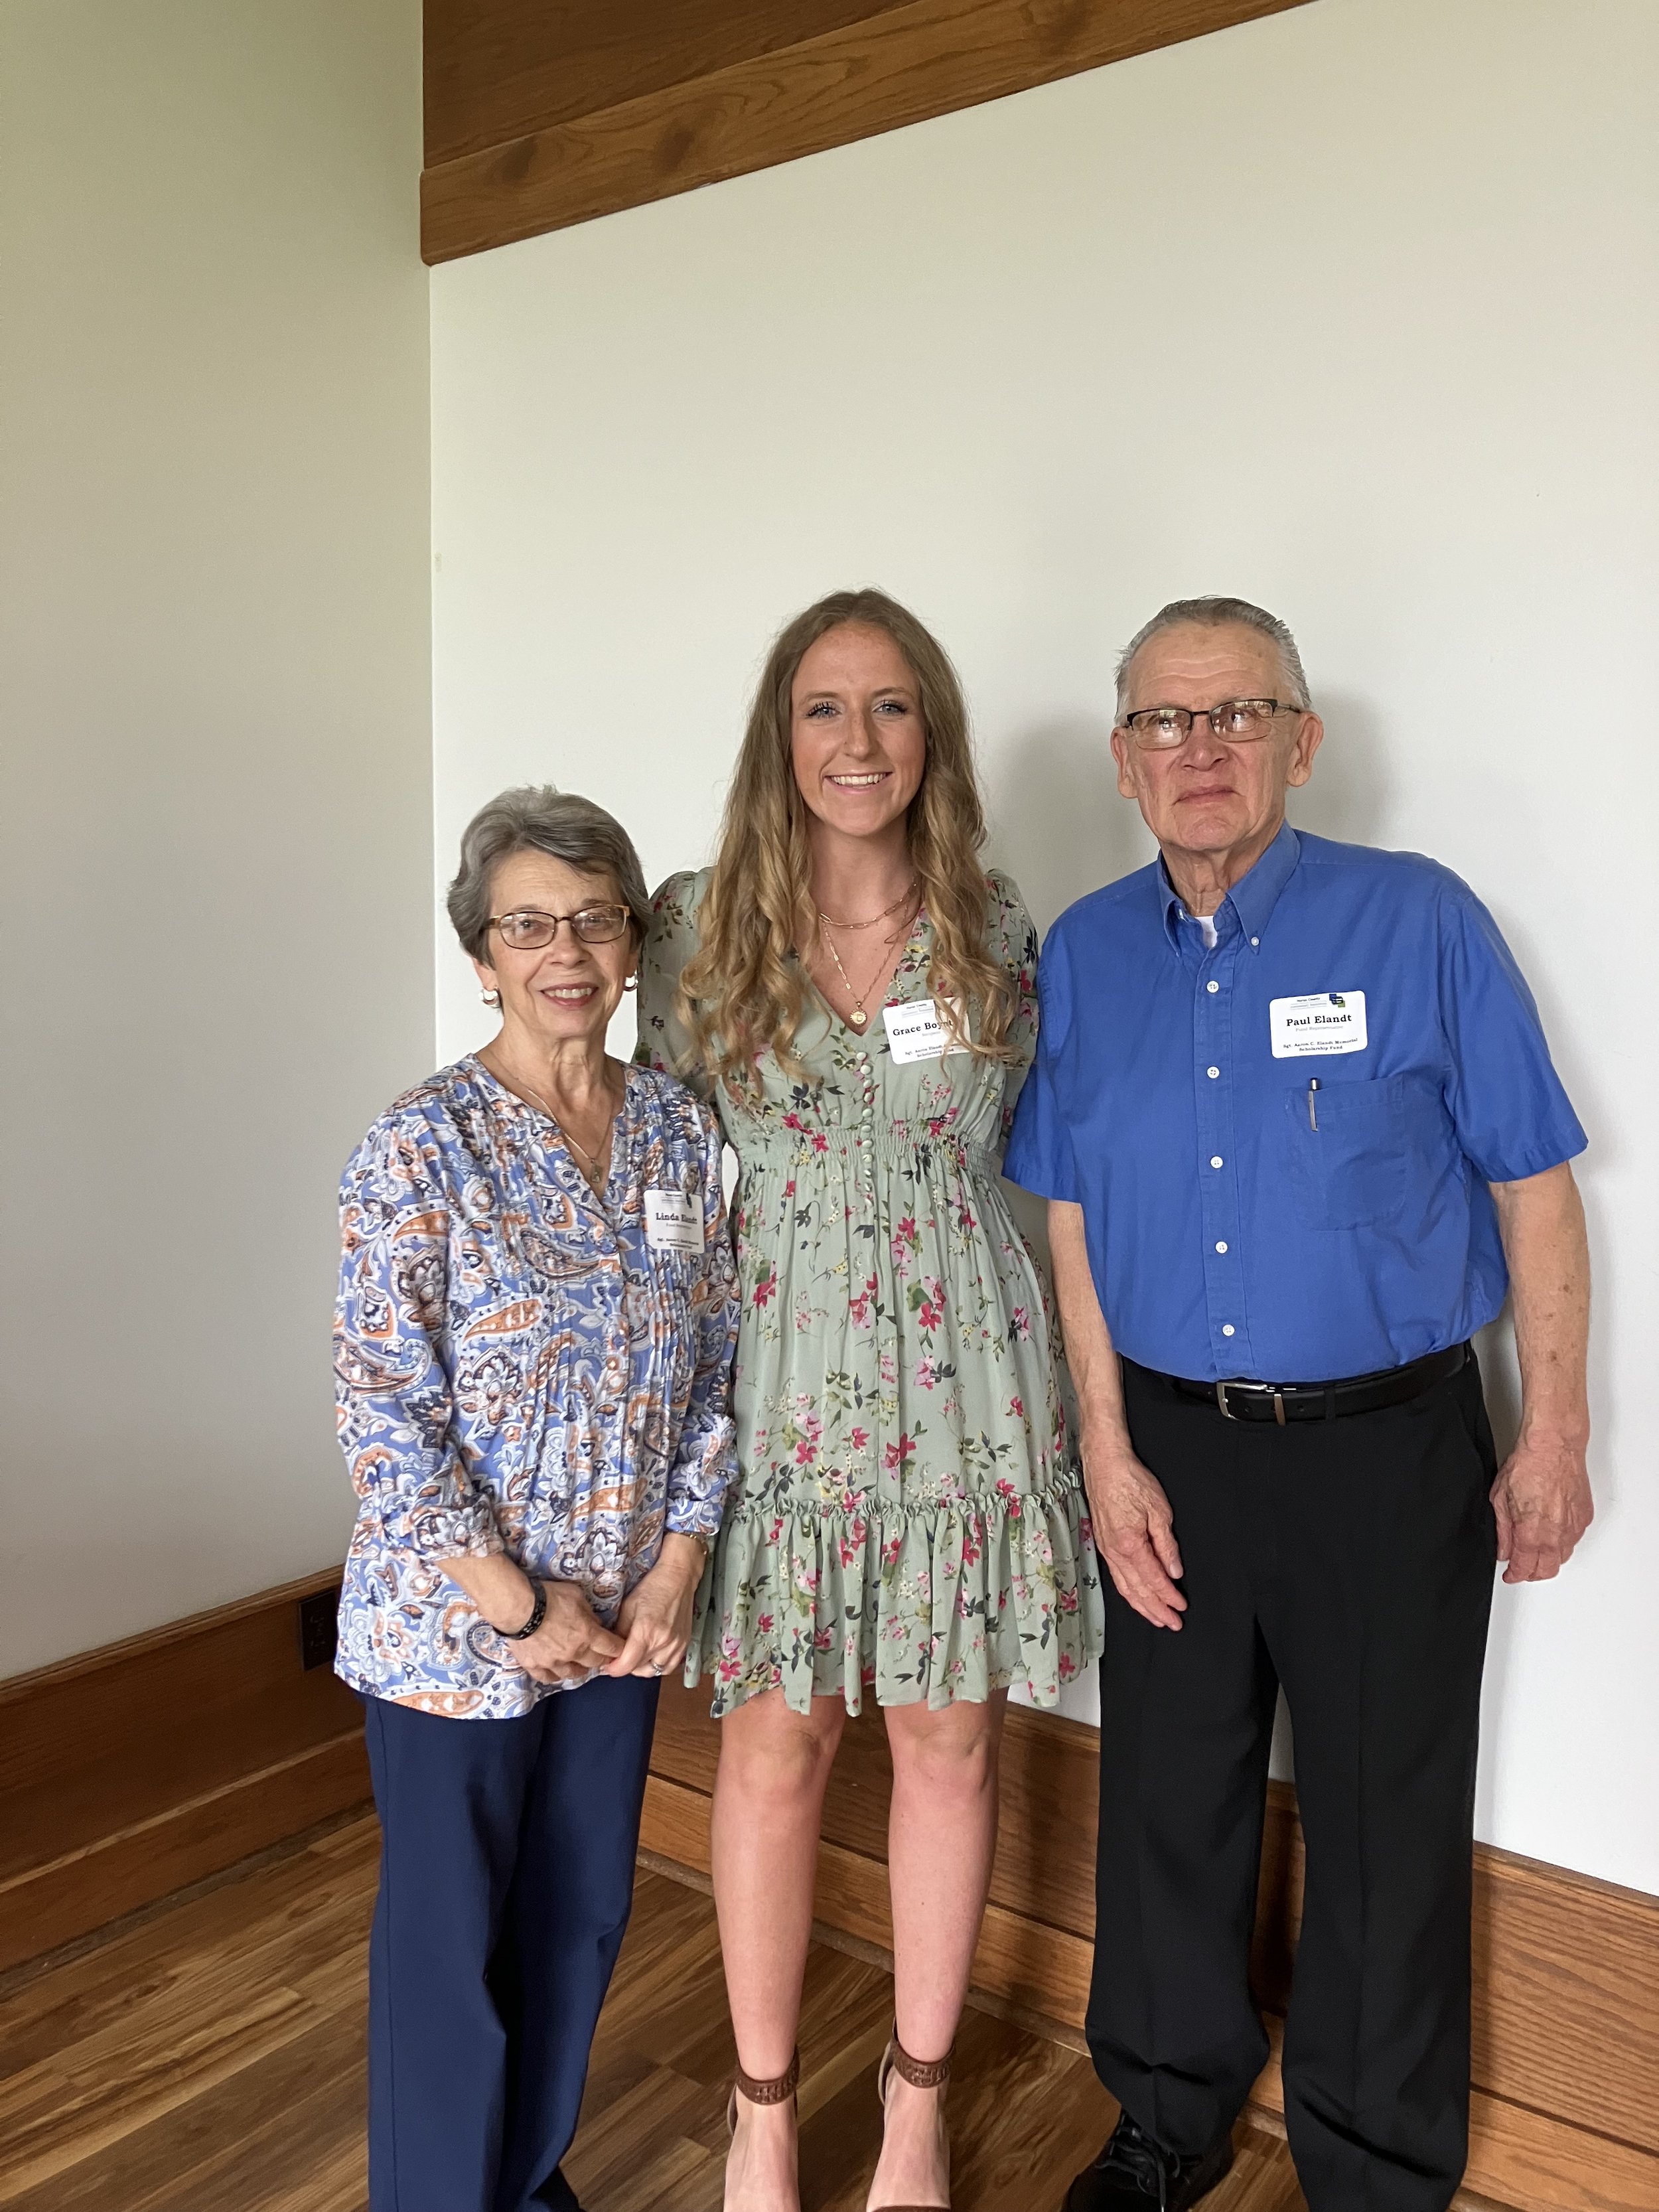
915, 1030
673, 1221
1324, 1021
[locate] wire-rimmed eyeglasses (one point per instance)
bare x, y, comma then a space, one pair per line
527, 929
1239, 720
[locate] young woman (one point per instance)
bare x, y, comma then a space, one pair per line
856, 996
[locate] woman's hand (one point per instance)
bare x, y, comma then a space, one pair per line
571, 1642
655, 1617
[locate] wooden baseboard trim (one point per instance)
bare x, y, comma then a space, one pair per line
132, 1772
49, 1906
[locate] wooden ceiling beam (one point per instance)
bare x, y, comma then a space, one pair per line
693, 113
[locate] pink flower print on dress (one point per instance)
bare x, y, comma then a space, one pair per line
1019, 1325
897, 1457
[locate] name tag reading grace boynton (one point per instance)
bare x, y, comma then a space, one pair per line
1321, 1022
915, 1032
673, 1221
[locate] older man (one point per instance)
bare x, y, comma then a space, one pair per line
1298, 1128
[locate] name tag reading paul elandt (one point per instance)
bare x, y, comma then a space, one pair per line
915, 1030
1320, 1022
673, 1221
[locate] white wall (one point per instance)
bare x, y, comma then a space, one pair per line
215, 870
1352, 311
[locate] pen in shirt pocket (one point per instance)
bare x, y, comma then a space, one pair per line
1313, 1118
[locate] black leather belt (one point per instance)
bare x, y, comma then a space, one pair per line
1324, 1401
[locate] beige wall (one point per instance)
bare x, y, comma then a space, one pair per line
1354, 310
215, 874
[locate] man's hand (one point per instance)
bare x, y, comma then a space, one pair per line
1543, 1503
571, 1643
1134, 1533
655, 1617
1135, 1529
1542, 1493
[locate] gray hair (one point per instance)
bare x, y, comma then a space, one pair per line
539, 818
1213, 613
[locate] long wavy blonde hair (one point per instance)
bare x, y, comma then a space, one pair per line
745, 989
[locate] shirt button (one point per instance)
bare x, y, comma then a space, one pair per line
1213, 1072
1212, 986
1255, 940
1215, 1159
1226, 1328
1222, 1246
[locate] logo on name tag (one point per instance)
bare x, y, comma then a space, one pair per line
1319, 1022
673, 1221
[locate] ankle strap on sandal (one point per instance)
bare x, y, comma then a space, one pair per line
920, 2073
778, 2091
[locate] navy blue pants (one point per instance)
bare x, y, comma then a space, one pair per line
506, 1874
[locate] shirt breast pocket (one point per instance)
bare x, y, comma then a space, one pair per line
1347, 1148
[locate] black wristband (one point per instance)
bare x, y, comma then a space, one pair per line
538, 1614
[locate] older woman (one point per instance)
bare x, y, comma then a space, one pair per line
857, 996
535, 1320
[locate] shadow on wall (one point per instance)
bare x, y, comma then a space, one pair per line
1348, 794
1058, 826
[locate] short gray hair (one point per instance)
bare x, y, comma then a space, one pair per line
539, 818
1214, 613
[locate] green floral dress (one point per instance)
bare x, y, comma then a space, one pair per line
908, 1510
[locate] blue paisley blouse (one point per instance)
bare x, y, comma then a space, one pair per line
519, 1370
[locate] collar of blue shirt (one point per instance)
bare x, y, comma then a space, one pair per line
1252, 898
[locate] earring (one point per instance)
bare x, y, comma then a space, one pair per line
490, 998
630, 983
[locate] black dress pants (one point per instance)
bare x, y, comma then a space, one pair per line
1352, 1561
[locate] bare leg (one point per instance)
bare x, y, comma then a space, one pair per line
769, 1798
941, 1837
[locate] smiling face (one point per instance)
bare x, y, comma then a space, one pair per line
858, 744
1206, 796
567, 991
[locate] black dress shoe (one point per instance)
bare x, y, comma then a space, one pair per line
1133, 2173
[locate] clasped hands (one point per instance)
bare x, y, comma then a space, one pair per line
1541, 1499
654, 1624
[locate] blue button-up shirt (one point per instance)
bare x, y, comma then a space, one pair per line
1291, 1215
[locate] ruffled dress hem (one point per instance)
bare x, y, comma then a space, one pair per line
823, 1601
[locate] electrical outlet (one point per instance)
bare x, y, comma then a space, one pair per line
317, 1622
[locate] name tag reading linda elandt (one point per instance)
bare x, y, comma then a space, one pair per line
673, 1221
1321, 1022
915, 1032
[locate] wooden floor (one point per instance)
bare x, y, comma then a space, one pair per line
210, 2059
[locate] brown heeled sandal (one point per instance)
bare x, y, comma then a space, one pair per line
921, 2073
778, 2091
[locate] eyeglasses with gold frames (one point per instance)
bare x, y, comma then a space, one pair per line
527, 929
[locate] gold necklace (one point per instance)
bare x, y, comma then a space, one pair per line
589, 1167
909, 891
858, 1018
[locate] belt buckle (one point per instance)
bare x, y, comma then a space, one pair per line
1221, 1389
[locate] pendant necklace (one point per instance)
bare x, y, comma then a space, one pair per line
858, 1017
592, 1172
